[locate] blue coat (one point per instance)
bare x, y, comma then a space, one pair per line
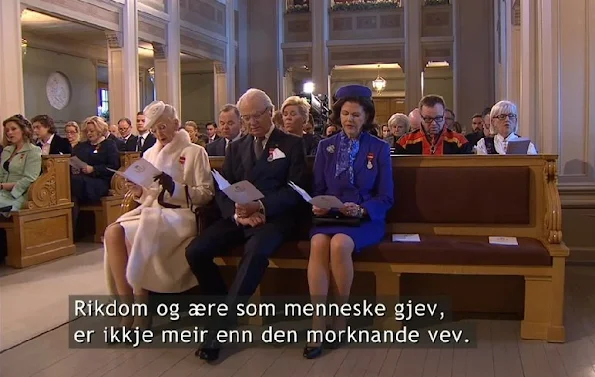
372, 187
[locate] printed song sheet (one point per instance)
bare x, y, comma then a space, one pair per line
320, 201
141, 172
242, 192
76, 163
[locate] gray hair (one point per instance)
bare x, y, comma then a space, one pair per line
258, 94
399, 118
504, 107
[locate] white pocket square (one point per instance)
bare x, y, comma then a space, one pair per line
277, 154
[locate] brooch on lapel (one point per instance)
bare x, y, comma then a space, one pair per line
330, 149
370, 159
271, 154
182, 160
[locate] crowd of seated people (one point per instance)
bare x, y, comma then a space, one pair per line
269, 148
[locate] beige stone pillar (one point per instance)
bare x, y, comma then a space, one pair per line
230, 53
220, 86
528, 117
12, 93
161, 81
319, 10
123, 68
413, 65
173, 63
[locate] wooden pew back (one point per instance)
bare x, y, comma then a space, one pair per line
515, 196
42, 229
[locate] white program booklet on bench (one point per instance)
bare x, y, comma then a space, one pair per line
406, 238
320, 201
242, 192
507, 241
518, 146
140, 172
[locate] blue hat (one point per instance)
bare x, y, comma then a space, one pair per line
353, 91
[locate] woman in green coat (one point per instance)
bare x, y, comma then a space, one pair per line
20, 163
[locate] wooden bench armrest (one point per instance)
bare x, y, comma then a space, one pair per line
553, 212
52, 187
128, 203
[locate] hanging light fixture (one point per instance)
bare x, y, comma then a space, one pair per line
379, 84
24, 46
152, 74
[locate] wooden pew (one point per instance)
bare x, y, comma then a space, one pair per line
455, 203
42, 230
108, 209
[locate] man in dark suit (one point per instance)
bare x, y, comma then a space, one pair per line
47, 135
130, 140
229, 127
268, 158
145, 138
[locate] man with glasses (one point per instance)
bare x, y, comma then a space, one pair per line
433, 138
268, 158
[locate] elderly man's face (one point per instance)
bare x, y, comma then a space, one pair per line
415, 120
113, 129
256, 116
432, 119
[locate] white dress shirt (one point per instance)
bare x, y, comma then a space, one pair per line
45, 146
267, 136
501, 143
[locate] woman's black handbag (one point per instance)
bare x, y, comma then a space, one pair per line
336, 220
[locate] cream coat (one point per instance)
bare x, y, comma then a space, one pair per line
158, 236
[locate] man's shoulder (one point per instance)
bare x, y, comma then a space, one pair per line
453, 136
412, 137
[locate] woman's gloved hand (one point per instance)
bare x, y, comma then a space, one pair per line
167, 182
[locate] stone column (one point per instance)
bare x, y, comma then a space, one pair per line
161, 81
413, 65
243, 46
220, 86
319, 9
173, 63
230, 52
528, 120
123, 66
12, 93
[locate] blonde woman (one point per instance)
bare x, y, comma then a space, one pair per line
504, 122
145, 248
296, 112
73, 133
91, 183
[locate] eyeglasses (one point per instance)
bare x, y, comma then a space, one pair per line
504, 116
429, 120
246, 118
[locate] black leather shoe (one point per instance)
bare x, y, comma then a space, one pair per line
209, 351
312, 352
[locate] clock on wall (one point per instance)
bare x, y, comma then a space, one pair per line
58, 90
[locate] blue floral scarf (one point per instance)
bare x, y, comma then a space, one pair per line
348, 149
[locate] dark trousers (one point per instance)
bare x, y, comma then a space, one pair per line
217, 240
